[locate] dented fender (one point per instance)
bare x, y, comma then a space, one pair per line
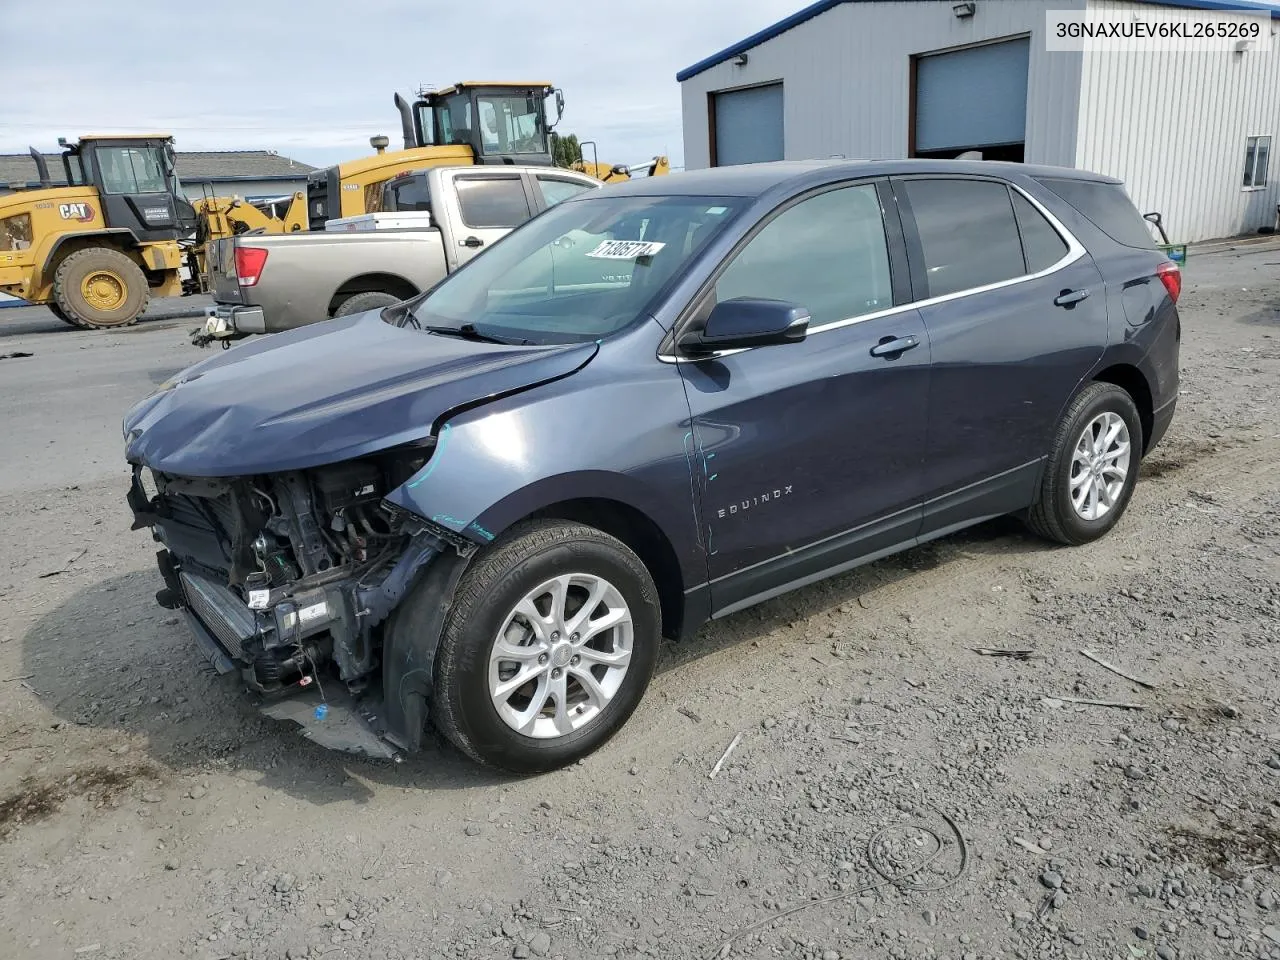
498, 463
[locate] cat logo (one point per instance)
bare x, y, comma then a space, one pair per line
83, 212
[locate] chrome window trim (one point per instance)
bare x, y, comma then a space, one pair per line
1075, 250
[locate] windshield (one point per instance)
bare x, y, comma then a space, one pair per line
511, 125
580, 271
508, 123
132, 170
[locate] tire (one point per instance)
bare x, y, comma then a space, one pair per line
57, 312
100, 288
464, 706
361, 302
1055, 515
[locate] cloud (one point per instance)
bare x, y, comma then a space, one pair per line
318, 76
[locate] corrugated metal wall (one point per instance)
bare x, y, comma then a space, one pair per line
1173, 127
846, 77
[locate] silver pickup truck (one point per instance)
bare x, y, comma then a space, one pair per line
442, 216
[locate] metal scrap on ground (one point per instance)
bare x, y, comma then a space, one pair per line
1117, 671
996, 652
1097, 703
725, 756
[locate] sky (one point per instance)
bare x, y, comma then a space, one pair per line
313, 79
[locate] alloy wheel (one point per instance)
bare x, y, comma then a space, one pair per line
561, 655
1100, 466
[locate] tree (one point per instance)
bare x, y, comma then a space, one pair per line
565, 150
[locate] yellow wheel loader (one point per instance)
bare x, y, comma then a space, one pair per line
476, 122
220, 217
98, 249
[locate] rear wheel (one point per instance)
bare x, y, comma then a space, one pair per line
360, 302
548, 648
1092, 468
99, 288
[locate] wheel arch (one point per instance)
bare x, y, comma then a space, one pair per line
1133, 382
391, 283
641, 534
117, 238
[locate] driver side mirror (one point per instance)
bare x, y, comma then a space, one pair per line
748, 322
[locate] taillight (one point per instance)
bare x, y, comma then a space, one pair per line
249, 264
1168, 273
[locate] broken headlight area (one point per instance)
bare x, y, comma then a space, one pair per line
290, 577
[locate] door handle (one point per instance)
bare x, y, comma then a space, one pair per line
471, 242
1067, 297
894, 345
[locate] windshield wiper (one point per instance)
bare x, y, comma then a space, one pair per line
466, 331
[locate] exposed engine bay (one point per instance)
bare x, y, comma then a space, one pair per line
290, 577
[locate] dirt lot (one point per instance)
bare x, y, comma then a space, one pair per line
147, 811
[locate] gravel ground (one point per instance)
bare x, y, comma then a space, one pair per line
893, 792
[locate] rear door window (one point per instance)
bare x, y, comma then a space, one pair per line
1108, 207
555, 189
968, 233
492, 201
1042, 245
410, 194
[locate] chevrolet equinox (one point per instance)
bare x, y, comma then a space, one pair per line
655, 404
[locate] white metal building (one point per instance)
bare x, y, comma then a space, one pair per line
1190, 132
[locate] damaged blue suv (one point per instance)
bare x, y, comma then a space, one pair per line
652, 405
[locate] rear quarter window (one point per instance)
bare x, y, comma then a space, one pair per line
1108, 207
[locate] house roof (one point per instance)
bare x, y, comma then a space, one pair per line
193, 166
822, 6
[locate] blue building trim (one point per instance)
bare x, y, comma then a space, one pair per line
768, 33
822, 6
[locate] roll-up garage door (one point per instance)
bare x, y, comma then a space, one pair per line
972, 98
748, 125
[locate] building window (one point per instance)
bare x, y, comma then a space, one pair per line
1257, 150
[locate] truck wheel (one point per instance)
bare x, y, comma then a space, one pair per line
100, 287
548, 647
57, 312
360, 302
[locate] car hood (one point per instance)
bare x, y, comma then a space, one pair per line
324, 393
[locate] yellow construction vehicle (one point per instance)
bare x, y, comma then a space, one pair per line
655, 167
97, 250
219, 217
122, 231
476, 122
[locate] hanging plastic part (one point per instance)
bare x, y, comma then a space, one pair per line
322, 711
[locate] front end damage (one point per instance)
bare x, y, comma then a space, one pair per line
293, 579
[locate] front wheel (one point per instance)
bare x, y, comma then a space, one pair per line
548, 647
1092, 468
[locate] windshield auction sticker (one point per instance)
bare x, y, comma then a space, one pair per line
625, 249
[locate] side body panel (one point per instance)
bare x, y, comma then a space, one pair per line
808, 454
615, 430
55, 214
304, 270
1144, 329
1006, 360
